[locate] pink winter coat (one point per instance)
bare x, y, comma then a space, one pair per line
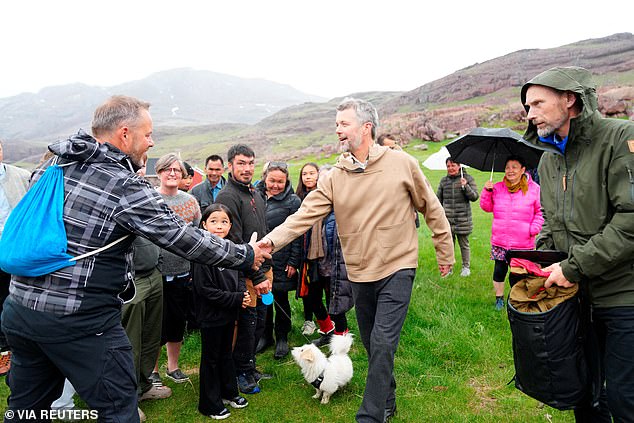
517, 217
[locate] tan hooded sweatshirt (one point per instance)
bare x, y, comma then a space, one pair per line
374, 208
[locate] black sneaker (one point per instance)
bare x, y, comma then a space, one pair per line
221, 415
155, 379
236, 402
247, 384
258, 376
177, 376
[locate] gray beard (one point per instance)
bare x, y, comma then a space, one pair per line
546, 132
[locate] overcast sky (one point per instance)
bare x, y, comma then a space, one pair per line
326, 48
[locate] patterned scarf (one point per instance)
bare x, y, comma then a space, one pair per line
521, 184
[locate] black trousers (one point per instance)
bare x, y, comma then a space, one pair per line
278, 317
99, 366
5, 279
614, 329
217, 372
251, 321
175, 305
315, 298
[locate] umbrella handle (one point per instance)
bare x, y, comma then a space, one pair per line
492, 167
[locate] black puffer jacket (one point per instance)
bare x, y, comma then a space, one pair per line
455, 200
278, 208
340, 289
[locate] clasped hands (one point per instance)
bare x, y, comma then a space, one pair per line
260, 251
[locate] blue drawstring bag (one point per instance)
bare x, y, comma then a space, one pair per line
34, 239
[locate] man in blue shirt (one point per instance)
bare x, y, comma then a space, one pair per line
207, 191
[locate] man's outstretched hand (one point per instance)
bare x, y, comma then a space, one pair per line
260, 253
266, 245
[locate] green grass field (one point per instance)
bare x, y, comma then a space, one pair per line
454, 361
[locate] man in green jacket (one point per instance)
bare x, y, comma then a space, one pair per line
587, 193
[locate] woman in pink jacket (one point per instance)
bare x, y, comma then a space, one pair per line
517, 218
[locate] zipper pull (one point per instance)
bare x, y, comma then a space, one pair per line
563, 182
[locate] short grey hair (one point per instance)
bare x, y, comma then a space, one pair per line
364, 110
166, 161
118, 110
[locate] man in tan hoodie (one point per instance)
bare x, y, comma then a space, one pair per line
373, 191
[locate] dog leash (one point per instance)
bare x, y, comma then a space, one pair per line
289, 318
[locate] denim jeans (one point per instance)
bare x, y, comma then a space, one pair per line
381, 308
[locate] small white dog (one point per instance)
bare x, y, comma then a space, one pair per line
326, 374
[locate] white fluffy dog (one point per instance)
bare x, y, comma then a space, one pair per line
326, 374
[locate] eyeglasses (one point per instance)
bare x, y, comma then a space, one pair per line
173, 170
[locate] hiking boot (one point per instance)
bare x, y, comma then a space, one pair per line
308, 328
465, 272
323, 340
281, 349
177, 376
5, 362
223, 414
156, 392
236, 402
263, 344
499, 303
247, 384
258, 376
155, 379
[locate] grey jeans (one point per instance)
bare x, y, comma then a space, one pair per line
381, 308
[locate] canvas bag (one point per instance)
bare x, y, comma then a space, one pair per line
34, 241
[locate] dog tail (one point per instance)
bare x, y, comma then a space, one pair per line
340, 344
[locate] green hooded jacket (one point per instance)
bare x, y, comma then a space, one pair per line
587, 194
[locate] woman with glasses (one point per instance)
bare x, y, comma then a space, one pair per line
175, 270
281, 202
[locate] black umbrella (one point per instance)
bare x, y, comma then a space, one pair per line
487, 149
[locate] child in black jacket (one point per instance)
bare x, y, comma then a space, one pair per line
217, 300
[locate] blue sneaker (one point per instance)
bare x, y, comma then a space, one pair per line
499, 304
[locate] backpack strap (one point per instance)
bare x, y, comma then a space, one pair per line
98, 250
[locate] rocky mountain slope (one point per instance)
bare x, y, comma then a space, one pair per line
179, 97
484, 94
487, 94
